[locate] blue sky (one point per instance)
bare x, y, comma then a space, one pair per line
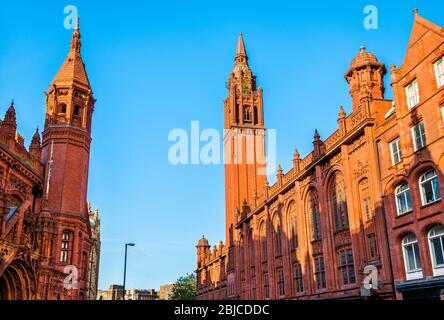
156, 66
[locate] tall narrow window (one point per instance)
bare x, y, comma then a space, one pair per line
320, 273
292, 227
256, 120
412, 259
346, 266
313, 212
298, 279
252, 251
62, 108
66, 248
278, 236
429, 187
439, 70
247, 114
419, 136
395, 150
366, 202
253, 288
241, 254
403, 199
373, 246
436, 243
266, 286
280, 283
339, 203
263, 235
412, 94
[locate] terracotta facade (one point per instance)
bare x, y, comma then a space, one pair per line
343, 209
45, 235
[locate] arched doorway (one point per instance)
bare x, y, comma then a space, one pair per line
16, 283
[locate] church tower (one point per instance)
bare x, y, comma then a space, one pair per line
244, 139
65, 152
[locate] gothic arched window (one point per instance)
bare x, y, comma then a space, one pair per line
338, 200
292, 226
277, 235
313, 213
263, 242
251, 249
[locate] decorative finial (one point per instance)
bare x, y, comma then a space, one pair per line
342, 112
316, 135
296, 154
12, 102
416, 11
362, 49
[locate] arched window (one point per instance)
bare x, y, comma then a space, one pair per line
429, 187
292, 226
252, 251
277, 235
256, 120
66, 248
436, 243
366, 200
62, 108
403, 199
313, 212
263, 242
247, 114
412, 259
339, 203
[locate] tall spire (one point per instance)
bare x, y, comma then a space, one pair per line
241, 47
241, 53
73, 69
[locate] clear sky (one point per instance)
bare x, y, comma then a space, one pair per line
158, 65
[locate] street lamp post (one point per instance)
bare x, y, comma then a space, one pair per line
124, 268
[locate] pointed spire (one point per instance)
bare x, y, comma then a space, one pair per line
36, 136
296, 155
416, 12
317, 137
35, 147
241, 47
75, 41
342, 113
10, 116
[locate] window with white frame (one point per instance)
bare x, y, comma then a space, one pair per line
403, 199
412, 94
439, 70
419, 136
429, 186
436, 243
412, 260
66, 247
395, 151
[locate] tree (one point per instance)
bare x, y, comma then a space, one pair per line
184, 288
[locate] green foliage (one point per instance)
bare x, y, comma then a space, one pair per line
184, 288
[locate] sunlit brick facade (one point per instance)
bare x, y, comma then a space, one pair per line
45, 229
361, 198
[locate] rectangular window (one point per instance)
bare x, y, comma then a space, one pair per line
321, 282
346, 266
266, 286
439, 70
419, 136
412, 94
298, 280
281, 283
395, 151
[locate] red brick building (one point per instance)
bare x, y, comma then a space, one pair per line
368, 196
45, 234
